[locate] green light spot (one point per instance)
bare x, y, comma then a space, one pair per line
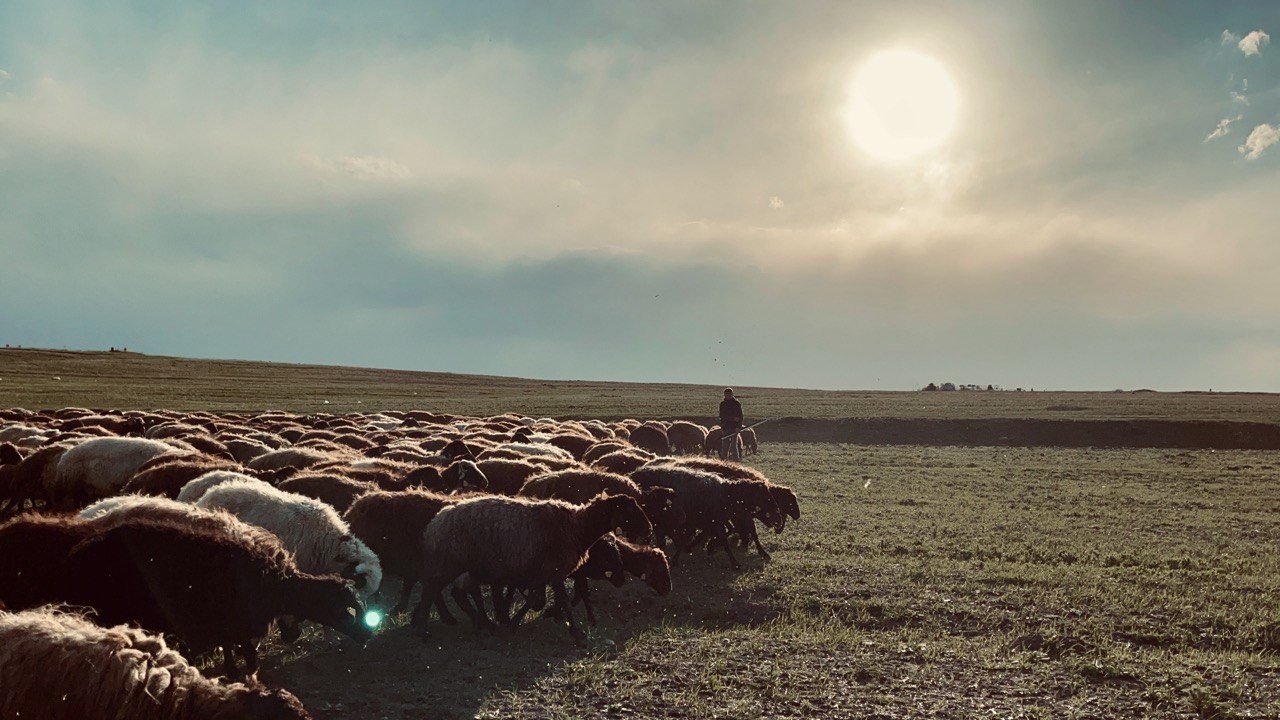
373, 618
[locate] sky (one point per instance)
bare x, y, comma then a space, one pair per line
648, 191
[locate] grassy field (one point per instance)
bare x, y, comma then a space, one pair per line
921, 582
50, 378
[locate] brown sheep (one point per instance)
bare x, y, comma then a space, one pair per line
687, 438
507, 476
512, 542
580, 486
332, 488
59, 666
623, 461
651, 438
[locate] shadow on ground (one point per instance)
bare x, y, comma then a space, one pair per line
398, 675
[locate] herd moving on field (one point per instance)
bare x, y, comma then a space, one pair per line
126, 532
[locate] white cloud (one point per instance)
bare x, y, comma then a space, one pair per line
364, 167
1239, 97
1262, 137
1253, 43
1223, 128
1229, 38
776, 203
4, 75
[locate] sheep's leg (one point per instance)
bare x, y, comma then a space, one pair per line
755, 538
249, 651
431, 590
442, 609
718, 536
406, 591
502, 598
229, 662
562, 599
582, 593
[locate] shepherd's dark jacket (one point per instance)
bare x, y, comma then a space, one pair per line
730, 414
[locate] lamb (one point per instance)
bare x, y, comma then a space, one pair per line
506, 477
750, 443
197, 487
623, 461
207, 587
167, 479
29, 479
524, 544
580, 486
391, 524
710, 503
745, 526
60, 666
686, 437
100, 467
298, 457
602, 448
309, 528
612, 558
651, 438
330, 488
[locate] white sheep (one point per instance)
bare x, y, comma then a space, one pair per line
534, 448
309, 528
100, 467
197, 487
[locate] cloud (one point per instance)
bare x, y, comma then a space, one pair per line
364, 167
776, 203
1262, 137
1253, 43
1239, 97
1223, 128
1229, 38
4, 75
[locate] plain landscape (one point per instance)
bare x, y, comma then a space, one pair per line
1032, 582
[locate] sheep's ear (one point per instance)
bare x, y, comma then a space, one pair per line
9, 454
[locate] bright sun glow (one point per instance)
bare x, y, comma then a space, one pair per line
902, 104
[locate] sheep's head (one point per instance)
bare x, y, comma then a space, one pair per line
651, 566
786, 499
626, 515
9, 454
331, 601
463, 473
662, 507
756, 500
359, 565
456, 449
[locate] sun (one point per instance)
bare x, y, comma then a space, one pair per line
902, 104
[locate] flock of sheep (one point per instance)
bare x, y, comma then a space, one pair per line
209, 530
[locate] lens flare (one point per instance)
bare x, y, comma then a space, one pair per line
373, 619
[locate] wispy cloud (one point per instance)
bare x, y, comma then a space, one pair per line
1253, 43
776, 203
1223, 128
1262, 137
1229, 38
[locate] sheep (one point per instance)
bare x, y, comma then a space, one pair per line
391, 524
331, 488
613, 558
30, 479
33, 549
100, 467
533, 448
506, 477
712, 446
244, 450
745, 526
602, 448
167, 479
309, 528
651, 438
525, 544
580, 486
298, 457
623, 461
60, 666
208, 587
710, 503
572, 443
686, 437
197, 487
750, 443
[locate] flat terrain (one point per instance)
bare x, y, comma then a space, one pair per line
50, 378
920, 582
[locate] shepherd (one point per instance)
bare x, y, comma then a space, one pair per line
730, 424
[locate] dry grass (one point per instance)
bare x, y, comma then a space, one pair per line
960, 582
132, 381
